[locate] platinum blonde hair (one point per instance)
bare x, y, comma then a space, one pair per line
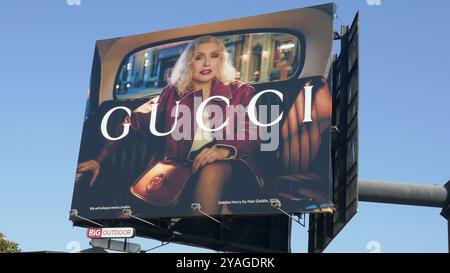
181, 76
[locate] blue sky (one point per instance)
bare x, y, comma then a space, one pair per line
47, 48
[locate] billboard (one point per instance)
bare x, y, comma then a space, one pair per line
223, 118
323, 228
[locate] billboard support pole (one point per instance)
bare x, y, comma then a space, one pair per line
403, 194
436, 196
74, 213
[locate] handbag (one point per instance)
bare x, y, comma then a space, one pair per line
162, 184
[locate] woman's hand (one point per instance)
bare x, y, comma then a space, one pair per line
88, 166
209, 155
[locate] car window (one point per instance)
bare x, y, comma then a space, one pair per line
257, 57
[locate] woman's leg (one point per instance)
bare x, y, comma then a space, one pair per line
210, 184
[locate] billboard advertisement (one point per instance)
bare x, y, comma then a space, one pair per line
223, 118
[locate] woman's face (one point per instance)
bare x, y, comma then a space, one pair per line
206, 62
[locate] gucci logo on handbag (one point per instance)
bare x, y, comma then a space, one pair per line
155, 183
162, 184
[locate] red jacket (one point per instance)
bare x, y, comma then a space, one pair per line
237, 92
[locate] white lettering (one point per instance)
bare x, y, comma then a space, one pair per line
153, 120
252, 108
201, 108
308, 91
103, 126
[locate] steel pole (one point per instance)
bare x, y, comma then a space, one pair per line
401, 193
436, 196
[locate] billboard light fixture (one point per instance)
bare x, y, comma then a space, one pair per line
197, 207
74, 213
115, 245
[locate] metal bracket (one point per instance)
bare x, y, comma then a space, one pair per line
129, 213
336, 36
74, 213
276, 204
300, 217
